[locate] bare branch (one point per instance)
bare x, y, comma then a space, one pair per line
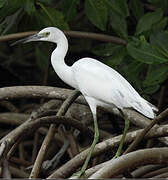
74, 34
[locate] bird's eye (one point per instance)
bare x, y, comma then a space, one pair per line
46, 34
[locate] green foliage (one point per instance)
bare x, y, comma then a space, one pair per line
160, 41
119, 25
96, 11
2, 3
145, 52
137, 8
50, 17
156, 75
118, 6
143, 61
70, 9
30, 7
145, 22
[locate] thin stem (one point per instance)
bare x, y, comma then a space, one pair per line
96, 138
127, 124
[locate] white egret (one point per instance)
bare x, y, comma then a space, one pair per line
99, 84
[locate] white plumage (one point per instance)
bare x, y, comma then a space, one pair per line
96, 81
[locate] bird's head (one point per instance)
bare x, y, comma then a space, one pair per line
50, 34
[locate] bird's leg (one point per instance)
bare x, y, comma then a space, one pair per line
96, 138
126, 127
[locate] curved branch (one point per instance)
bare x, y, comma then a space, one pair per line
74, 34
131, 161
16, 92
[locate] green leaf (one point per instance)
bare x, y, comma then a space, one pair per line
119, 25
151, 89
156, 75
106, 49
2, 3
118, 6
160, 40
132, 72
70, 8
137, 8
164, 5
46, 3
116, 58
160, 26
51, 17
11, 21
11, 7
96, 12
145, 52
160, 3
29, 7
145, 22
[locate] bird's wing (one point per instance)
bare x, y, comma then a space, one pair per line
96, 80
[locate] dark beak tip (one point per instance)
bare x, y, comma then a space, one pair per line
27, 39
13, 44
17, 42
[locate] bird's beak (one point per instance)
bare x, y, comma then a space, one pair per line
34, 37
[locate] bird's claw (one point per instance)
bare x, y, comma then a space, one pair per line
116, 156
77, 174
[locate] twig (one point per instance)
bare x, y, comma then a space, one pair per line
19, 161
51, 164
4, 162
162, 175
74, 149
35, 146
140, 172
36, 168
13, 148
161, 97
156, 172
9, 106
18, 172
14, 119
5, 169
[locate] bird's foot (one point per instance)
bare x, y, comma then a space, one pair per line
116, 155
77, 174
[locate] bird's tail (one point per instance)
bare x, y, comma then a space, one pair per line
146, 108
154, 108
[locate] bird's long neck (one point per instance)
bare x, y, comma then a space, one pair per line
57, 60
